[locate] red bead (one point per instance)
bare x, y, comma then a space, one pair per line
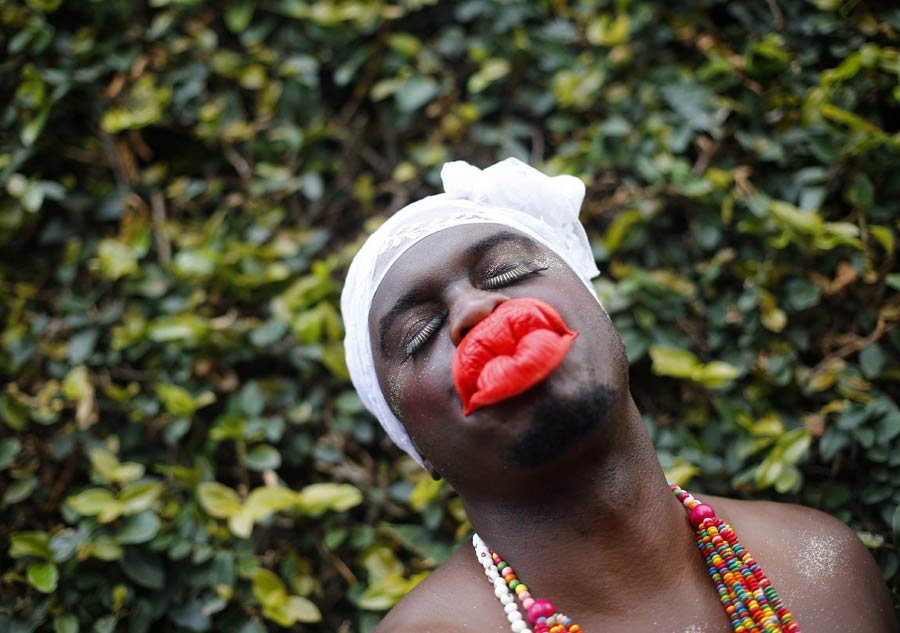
700, 513
540, 609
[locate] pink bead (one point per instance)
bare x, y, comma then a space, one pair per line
700, 513
527, 602
506, 571
524, 595
540, 609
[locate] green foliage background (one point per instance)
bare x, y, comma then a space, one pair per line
184, 182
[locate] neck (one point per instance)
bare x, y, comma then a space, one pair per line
597, 532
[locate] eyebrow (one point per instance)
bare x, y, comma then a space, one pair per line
411, 297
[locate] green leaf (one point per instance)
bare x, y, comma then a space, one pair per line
179, 401
335, 360
238, 15
192, 616
405, 44
266, 500
793, 445
384, 593
106, 548
490, 71
77, 383
106, 624
116, 259
108, 467
263, 457
252, 400
681, 472
144, 568
715, 374
893, 281
802, 294
104, 463
887, 427
268, 589
10, 447
32, 543
218, 500
788, 480
296, 609
66, 542
92, 501
43, 576
872, 360
82, 345
861, 192
241, 524
65, 624
778, 466
620, 228
870, 539
424, 492
681, 363
139, 496
415, 93
278, 606
672, 361
139, 528
13, 412
318, 498
884, 236
19, 490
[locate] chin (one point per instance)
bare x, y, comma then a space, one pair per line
559, 423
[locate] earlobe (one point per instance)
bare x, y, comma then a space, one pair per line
426, 463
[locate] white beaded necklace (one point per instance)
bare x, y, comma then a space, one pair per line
501, 589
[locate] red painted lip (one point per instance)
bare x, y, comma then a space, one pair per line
510, 351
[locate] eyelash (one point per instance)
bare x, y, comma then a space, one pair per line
422, 336
513, 274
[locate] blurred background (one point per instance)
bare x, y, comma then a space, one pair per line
183, 183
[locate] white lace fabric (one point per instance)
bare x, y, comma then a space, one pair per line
510, 193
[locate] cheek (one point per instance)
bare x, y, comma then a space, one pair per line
424, 390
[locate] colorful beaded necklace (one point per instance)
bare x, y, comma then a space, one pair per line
746, 594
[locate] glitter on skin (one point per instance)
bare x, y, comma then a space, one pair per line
817, 559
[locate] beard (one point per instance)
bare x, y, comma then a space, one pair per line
559, 423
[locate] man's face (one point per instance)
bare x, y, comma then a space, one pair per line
438, 290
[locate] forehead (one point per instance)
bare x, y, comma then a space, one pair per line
437, 253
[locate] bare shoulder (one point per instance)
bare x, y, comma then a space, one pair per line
821, 570
455, 598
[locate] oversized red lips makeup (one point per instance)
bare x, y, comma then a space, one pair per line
510, 351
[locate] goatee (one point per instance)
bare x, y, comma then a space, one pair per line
559, 423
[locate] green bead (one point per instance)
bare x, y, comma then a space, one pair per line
502, 566
514, 584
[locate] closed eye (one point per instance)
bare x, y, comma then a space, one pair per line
513, 274
421, 337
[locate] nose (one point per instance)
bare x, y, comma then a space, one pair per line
468, 308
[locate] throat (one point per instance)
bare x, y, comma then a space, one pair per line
597, 531
616, 556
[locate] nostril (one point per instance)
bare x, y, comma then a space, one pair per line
463, 332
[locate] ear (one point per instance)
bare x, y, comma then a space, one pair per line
431, 469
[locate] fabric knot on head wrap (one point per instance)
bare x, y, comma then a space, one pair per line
510, 193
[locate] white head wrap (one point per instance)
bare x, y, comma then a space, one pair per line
510, 193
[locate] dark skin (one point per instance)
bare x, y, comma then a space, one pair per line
591, 525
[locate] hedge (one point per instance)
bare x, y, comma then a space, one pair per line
184, 183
